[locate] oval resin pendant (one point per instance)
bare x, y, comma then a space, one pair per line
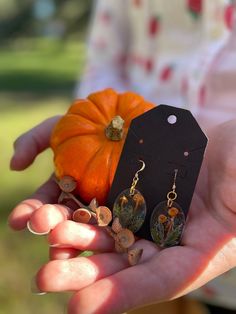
130, 209
167, 224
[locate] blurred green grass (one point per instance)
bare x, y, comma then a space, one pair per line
40, 65
36, 81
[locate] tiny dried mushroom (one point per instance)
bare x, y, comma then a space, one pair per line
93, 205
82, 215
172, 212
103, 215
162, 218
123, 201
125, 238
138, 199
67, 184
134, 256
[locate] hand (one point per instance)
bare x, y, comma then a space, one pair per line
104, 283
37, 211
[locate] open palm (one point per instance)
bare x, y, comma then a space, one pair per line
104, 283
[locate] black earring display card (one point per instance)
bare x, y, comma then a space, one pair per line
165, 138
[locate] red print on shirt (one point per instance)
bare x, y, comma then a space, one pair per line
166, 73
154, 25
149, 65
229, 16
137, 2
194, 7
202, 95
184, 86
106, 17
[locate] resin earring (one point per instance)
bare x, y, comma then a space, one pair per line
130, 206
168, 220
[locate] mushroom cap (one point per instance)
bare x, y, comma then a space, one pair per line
162, 218
104, 215
93, 205
138, 198
173, 211
124, 199
125, 238
67, 184
81, 215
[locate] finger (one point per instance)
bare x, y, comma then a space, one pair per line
80, 236
32, 143
47, 217
77, 273
22, 212
155, 281
64, 253
47, 193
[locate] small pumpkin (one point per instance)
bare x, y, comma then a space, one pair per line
88, 140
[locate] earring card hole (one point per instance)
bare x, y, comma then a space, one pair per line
172, 119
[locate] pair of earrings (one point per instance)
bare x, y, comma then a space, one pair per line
167, 219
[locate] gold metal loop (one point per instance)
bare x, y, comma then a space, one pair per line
172, 196
136, 178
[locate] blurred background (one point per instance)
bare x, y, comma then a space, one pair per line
42, 52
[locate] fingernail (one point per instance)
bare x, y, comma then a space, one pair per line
34, 232
61, 246
54, 245
34, 288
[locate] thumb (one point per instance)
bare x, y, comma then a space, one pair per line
31, 144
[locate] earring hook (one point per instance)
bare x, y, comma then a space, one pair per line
143, 166
175, 177
136, 177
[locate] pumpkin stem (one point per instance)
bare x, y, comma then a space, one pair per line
114, 131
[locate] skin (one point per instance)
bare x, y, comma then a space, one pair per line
104, 283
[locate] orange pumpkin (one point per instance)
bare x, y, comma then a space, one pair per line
88, 140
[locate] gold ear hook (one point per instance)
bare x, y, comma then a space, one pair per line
136, 177
174, 184
143, 166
